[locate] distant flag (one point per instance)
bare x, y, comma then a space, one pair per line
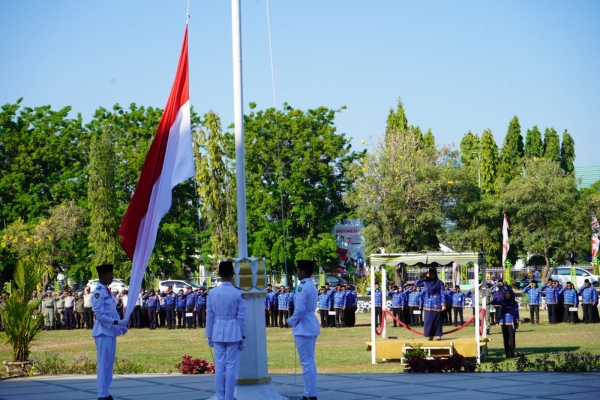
505, 245
169, 162
595, 236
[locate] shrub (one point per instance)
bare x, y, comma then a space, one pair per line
454, 363
191, 365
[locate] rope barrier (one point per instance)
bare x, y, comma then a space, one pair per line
384, 312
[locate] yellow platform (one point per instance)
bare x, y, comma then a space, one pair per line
392, 348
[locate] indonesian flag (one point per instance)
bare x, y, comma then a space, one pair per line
170, 161
505, 245
595, 232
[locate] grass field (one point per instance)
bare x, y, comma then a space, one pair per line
338, 350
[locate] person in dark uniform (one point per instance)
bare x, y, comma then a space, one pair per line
153, 306
339, 303
273, 309
378, 303
447, 296
190, 306
323, 306
180, 309
433, 304
330, 292
551, 300
79, 311
282, 306
535, 298
571, 300
458, 305
201, 307
589, 302
509, 318
170, 303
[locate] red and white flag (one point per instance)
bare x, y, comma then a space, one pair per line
505, 245
169, 162
595, 239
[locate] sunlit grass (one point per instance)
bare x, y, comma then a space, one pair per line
338, 350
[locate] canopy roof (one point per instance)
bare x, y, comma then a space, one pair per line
441, 258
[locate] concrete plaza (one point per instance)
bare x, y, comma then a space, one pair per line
489, 386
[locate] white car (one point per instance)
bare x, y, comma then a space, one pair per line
563, 275
176, 284
117, 285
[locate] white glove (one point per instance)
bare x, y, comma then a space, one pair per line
122, 331
123, 323
210, 343
241, 345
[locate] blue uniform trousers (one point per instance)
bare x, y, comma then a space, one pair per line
106, 346
226, 369
170, 310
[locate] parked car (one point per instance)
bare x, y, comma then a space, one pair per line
563, 275
116, 286
176, 284
333, 280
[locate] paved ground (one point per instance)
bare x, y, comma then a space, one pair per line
488, 386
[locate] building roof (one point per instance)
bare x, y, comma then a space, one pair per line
587, 176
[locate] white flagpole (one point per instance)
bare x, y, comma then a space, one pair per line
253, 380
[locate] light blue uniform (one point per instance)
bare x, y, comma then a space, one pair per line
105, 332
226, 331
305, 328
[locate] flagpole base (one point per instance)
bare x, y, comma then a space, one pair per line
262, 391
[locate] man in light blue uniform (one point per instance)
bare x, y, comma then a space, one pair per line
107, 327
226, 330
305, 326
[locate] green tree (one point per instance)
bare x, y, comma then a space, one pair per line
542, 205
102, 203
551, 145
397, 120
534, 148
470, 149
42, 159
512, 153
489, 162
567, 153
216, 188
399, 187
294, 159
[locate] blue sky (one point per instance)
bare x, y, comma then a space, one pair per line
457, 65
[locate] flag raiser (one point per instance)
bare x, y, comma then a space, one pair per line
169, 162
505, 245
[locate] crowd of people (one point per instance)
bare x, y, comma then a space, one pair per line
74, 310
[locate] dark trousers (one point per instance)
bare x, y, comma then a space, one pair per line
323, 315
588, 315
152, 317
274, 314
349, 316
267, 318
534, 313
377, 316
283, 316
162, 317
170, 312
508, 334
339, 317
448, 314
458, 312
331, 319
201, 315
79, 319
415, 319
180, 316
137, 316
551, 313
496, 315
398, 313
88, 317
570, 316
69, 318
191, 321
